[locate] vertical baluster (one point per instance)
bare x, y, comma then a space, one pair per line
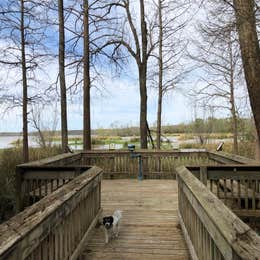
239, 193
225, 191
246, 193
253, 195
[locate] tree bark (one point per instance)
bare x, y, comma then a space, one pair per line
143, 106
232, 98
250, 51
25, 86
160, 83
86, 82
63, 94
142, 79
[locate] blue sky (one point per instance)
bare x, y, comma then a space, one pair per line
115, 103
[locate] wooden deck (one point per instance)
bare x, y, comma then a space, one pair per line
150, 228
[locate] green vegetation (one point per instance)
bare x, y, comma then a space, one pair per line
9, 158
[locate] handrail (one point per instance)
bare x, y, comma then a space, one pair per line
225, 158
35, 181
237, 185
212, 230
156, 164
58, 225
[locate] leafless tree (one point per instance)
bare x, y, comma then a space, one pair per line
249, 44
63, 90
136, 38
22, 36
171, 47
86, 81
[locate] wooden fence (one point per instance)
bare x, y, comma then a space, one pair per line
37, 179
238, 186
212, 230
34, 182
57, 226
155, 164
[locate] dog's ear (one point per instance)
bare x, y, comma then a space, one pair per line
111, 219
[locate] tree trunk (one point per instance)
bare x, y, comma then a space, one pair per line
63, 96
257, 143
232, 98
86, 87
143, 106
160, 83
25, 94
142, 80
249, 45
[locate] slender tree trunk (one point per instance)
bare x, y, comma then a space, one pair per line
86, 87
249, 45
25, 95
63, 95
142, 79
160, 84
143, 106
232, 97
234, 124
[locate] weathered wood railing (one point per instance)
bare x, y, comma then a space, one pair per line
156, 164
38, 179
238, 186
57, 226
211, 230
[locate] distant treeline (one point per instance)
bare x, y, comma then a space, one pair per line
209, 125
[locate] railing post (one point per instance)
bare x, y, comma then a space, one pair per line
19, 196
203, 175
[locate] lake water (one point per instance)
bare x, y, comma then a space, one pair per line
8, 142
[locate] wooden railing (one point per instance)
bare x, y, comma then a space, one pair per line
34, 182
58, 226
155, 164
212, 230
238, 186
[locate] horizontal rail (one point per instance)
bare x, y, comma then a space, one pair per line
212, 230
33, 182
227, 158
155, 164
237, 185
61, 159
57, 226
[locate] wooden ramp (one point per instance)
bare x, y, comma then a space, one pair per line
150, 228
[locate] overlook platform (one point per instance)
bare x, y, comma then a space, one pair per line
150, 226
197, 204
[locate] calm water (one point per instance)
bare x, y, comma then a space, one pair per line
9, 141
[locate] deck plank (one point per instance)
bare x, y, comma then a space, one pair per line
150, 227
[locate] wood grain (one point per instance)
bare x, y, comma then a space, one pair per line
150, 226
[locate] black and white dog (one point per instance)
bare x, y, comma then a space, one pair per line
111, 225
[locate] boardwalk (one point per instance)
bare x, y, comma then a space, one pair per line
150, 227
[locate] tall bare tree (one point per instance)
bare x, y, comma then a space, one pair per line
25, 86
171, 47
22, 53
139, 46
63, 91
86, 81
249, 44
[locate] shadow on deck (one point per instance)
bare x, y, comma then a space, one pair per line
150, 228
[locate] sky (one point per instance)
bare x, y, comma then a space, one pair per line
115, 102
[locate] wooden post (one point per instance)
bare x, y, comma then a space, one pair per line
19, 191
203, 175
